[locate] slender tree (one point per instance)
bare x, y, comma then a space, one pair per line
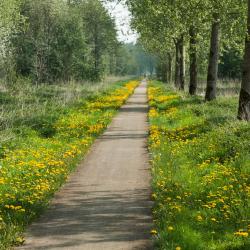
193, 61
244, 102
212, 73
169, 67
182, 63
177, 81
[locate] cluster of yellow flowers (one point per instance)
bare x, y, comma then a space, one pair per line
115, 100
152, 91
170, 113
165, 98
153, 95
154, 136
242, 233
17, 208
34, 170
153, 113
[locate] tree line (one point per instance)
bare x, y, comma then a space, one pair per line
56, 40
201, 29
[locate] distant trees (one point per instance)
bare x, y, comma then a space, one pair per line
62, 40
100, 36
55, 40
10, 21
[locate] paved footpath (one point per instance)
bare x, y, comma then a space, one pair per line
106, 204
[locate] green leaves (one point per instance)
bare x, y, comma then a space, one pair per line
54, 40
159, 23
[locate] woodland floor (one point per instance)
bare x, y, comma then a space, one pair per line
106, 203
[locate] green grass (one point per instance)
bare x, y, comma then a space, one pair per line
200, 165
45, 145
28, 105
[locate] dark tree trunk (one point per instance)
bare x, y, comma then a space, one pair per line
244, 102
212, 74
169, 68
177, 65
193, 62
182, 63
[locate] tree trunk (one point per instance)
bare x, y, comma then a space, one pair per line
177, 65
212, 74
182, 63
169, 68
193, 62
244, 102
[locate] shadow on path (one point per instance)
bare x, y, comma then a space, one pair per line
110, 216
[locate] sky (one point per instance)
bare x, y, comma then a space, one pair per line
122, 17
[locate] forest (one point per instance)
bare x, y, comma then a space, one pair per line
150, 137
49, 41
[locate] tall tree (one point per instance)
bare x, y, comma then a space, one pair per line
244, 102
10, 22
212, 73
182, 63
193, 71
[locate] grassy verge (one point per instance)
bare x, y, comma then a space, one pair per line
24, 104
200, 164
43, 153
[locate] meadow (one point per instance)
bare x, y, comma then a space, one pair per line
45, 131
200, 155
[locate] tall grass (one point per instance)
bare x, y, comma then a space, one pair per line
26, 104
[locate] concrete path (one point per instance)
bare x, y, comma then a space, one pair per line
106, 202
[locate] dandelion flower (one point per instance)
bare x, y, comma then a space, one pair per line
242, 233
153, 231
199, 218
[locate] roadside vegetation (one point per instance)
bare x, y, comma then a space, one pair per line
200, 165
46, 149
200, 151
56, 97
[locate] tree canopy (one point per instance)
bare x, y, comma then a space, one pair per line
54, 40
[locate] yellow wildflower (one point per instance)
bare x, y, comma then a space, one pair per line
153, 231
199, 218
